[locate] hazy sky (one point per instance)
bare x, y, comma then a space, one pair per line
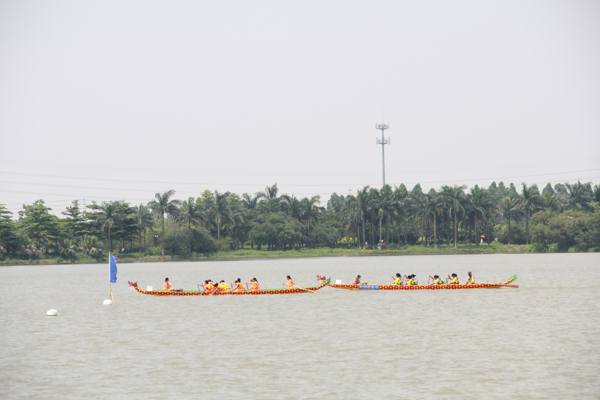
109, 100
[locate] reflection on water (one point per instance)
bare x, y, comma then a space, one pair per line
538, 341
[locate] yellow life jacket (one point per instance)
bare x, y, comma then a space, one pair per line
454, 281
438, 281
398, 281
411, 282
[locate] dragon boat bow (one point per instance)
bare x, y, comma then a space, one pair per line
248, 292
427, 287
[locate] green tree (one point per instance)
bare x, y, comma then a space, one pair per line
269, 201
39, 225
8, 232
530, 201
161, 205
143, 220
454, 197
511, 211
310, 211
480, 204
221, 211
580, 196
191, 213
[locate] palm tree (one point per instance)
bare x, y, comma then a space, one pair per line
580, 195
510, 210
190, 213
432, 205
310, 211
454, 198
221, 212
107, 217
363, 205
480, 202
162, 204
144, 220
530, 201
387, 207
269, 201
291, 206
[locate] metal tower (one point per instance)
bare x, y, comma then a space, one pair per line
383, 141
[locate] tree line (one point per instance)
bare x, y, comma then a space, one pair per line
558, 218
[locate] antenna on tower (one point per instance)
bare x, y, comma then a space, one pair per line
383, 141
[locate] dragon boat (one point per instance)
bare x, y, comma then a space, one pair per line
325, 282
426, 287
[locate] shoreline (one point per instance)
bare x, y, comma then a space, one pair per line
248, 254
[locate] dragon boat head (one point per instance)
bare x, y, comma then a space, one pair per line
132, 284
321, 278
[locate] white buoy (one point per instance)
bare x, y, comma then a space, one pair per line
52, 313
107, 302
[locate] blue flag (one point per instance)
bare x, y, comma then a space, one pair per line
113, 268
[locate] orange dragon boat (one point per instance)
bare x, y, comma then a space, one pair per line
248, 292
426, 287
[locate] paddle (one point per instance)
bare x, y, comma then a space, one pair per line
308, 290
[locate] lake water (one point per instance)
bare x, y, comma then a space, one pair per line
541, 341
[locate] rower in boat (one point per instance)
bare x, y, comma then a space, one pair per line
470, 279
289, 283
411, 280
437, 280
357, 280
453, 280
209, 286
254, 286
239, 286
397, 280
167, 287
223, 287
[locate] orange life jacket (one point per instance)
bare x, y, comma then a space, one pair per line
210, 287
255, 286
167, 287
290, 284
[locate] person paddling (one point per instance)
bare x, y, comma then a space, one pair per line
239, 286
436, 280
254, 286
209, 286
223, 287
454, 279
470, 279
289, 283
411, 280
357, 280
397, 280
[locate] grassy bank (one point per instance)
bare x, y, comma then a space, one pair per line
247, 254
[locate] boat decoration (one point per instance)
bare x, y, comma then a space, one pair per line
424, 287
325, 282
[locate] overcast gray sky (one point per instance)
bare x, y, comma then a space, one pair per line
108, 100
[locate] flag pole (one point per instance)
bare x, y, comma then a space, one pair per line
110, 295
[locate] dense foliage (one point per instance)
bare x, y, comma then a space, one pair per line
560, 218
